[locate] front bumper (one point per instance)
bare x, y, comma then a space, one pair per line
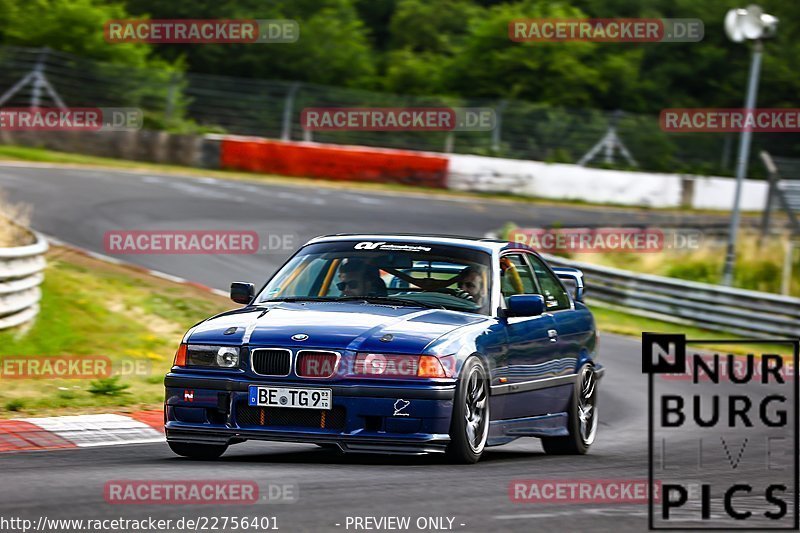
373, 418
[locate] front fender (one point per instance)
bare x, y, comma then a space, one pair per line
487, 340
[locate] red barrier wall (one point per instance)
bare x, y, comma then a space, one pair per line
334, 162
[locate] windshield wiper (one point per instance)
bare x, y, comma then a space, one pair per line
387, 300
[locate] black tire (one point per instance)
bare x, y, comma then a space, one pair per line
583, 418
204, 452
469, 426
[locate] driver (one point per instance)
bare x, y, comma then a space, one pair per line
357, 278
471, 282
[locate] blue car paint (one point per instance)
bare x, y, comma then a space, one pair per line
208, 414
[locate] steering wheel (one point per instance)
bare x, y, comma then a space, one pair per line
458, 293
445, 290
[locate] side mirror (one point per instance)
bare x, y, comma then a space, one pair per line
242, 293
525, 305
574, 280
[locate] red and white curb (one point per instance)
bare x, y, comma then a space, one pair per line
80, 431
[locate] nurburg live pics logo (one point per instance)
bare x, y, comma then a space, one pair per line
722, 446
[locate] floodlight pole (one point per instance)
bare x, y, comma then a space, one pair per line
741, 164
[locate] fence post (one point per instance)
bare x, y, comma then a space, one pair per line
608, 144
725, 159
172, 91
38, 81
286, 130
772, 172
449, 139
788, 261
498, 125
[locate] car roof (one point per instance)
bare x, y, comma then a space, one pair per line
476, 243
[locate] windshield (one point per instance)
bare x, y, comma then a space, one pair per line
396, 273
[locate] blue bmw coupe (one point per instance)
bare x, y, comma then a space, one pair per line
404, 344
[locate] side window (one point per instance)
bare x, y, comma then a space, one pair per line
555, 296
516, 277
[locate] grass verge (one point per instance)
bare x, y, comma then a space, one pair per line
613, 321
93, 308
759, 263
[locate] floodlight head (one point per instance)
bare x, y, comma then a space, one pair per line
751, 23
732, 26
770, 25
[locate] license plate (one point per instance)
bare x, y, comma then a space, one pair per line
290, 397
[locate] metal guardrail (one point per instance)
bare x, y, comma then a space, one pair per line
703, 305
21, 273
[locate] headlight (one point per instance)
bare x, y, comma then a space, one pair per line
228, 357
212, 356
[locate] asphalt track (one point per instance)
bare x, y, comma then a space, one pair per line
79, 206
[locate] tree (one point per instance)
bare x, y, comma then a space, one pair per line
74, 26
333, 47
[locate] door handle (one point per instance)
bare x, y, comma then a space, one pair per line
553, 334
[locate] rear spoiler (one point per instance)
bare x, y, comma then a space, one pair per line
575, 277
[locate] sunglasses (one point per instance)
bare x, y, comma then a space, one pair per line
353, 284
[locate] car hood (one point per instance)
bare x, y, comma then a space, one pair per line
336, 325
